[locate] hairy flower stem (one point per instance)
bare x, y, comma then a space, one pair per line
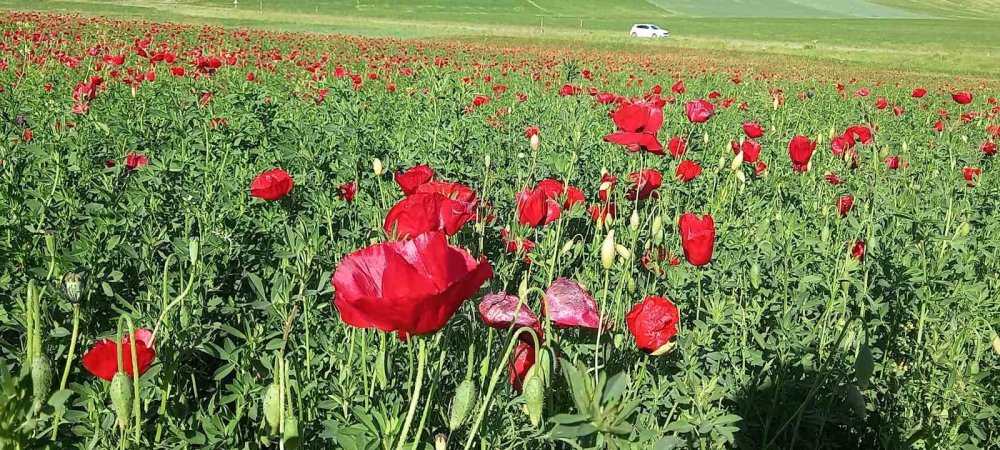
600, 325
415, 395
69, 364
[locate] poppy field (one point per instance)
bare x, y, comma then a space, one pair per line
245, 239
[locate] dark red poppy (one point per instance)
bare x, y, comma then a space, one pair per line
653, 323
919, 93
135, 160
699, 111
697, 238
411, 287
678, 87
520, 363
893, 162
272, 185
637, 123
833, 179
347, 191
800, 150
504, 311
988, 148
427, 211
568, 305
688, 170
753, 130
644, 184
102, 359
750, 148
677, 146
544, 204
962, 97
971, 175
858, 251
844, 204
410, 179
603, 213
517, 245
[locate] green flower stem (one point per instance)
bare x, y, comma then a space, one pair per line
415, 395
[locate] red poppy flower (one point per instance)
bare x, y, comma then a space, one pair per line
603, 213
272, 185
833, 179
677, 146
347, 191
750, 148
653, 322
800, 150
541, 205
608, 182
530, 131
102, 359
962, 98
638, 124
567, 304
988, 148
892, 162
994, 130
881, 103
858, 251
753, 130
699, 111
759, 168
844, 204
520, 363
697, 238
411, 287
678, 87
135, 160
644, 184
971, 175
861, 133
919, 93
427, 211
517, 245
688, 170
454, 191
503, 311
410, 179
939, 126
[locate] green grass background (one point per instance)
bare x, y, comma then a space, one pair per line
945, 37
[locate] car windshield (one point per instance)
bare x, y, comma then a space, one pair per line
654, 27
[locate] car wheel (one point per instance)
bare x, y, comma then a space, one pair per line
635, 35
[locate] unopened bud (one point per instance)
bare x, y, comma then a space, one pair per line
272, 406
664, 349
566, 247
906, 147
623, 252
121, 398
996, 343
534, 396
463, 402
73, 286
705, 138
633, 221
535, 142
440, 442
193, 250
657, 226
740, 176
41, 380
608, 250
737, 161
377, 167
487, 161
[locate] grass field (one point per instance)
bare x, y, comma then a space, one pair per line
923, 37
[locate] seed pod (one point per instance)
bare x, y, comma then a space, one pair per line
824, 235
657, 226
534, 396
463, 402
864, 366
291, 432
41, 380
630, 285
377, 167
633, 222
608, 250
272, 406
535, 142
856, 401
72, 285
121, 398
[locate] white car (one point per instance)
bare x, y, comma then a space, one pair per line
648, 30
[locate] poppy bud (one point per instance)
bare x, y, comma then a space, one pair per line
630, 285
864, 366
608, 250
996, 343
825, 234
965, 139
623, 252
963, 229
520, 155
121, 398
522, 289
567, 247
633, 222
535, 142
705, 138
377, 167
193, 250
290, 434
463, 402
534, 396
487, 161
664, 349
906, 147
722, 163
737, 161
856, 401
657, 225
41, 380
72, 284
833, 132
776, 103
440, 442
272, 406
742, 177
